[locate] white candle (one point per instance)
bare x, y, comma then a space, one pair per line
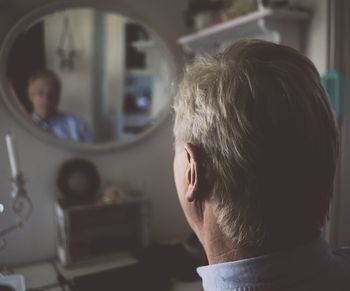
11, 149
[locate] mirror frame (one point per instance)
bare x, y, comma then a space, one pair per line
37, 14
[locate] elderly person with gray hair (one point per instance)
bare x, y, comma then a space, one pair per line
256, 146
44, 89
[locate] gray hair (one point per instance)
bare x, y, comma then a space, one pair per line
267, 136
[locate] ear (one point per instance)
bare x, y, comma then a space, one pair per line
192, 172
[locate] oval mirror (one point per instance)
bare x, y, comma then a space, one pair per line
88, 76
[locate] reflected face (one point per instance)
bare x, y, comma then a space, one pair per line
43, 97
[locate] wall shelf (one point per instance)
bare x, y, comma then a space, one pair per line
277, 25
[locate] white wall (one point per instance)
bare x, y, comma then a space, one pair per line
146, 165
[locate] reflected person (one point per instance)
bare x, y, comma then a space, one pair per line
256, 147
44, 89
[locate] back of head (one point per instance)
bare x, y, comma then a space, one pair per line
268, 140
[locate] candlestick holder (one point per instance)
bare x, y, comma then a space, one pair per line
21, 206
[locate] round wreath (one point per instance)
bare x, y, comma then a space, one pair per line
85, 168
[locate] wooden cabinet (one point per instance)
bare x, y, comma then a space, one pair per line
89, 232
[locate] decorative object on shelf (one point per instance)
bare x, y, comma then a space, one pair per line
203, 13
113, 194
21, 202
66, 46
79, 181
241, 7
203, 20
263, 4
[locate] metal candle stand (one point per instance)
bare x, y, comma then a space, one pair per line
21, 203
21, 206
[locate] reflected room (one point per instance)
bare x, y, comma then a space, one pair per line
112, 72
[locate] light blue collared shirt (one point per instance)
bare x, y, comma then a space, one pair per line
65, 126
312, 267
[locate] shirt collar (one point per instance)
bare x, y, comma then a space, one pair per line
40, 122
45, 123
273, 270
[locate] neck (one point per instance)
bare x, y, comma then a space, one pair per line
218, 247
46, 117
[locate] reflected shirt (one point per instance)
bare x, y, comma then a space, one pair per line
312, 267
65, 126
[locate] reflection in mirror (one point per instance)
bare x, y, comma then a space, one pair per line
89, 76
